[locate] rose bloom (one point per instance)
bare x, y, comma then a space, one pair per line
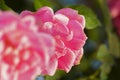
39, 43
67, 28
114, 6
24, 52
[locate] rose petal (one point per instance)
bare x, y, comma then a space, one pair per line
70, 13
66, 62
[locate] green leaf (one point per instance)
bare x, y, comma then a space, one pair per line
85, 64
107, 61
104, 56
114, 45
57, 75
91, 18
40, 3
3, 6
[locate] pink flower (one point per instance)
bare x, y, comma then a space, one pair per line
115, 13
67, 28
24, 52
39, 43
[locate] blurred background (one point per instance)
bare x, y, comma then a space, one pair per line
101, 60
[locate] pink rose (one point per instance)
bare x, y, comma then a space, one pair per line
24, 52
38, 43
67, 28
114, 6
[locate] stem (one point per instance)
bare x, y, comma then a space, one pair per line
106, 16
109, 29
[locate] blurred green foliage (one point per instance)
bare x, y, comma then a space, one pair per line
3, 6
40, 3
101, 60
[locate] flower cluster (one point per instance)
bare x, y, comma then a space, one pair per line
38, 43
115, 13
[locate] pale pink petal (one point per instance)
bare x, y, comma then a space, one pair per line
51, 66
59, 18
47, 26
25, 13
28, 75
70, 13
60, 48
7, 18
67, 61
81, 20
60, 30
79, 37
3, 71
45, 14
77, 30
29, 22
42, 15
78, 55
77, 44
